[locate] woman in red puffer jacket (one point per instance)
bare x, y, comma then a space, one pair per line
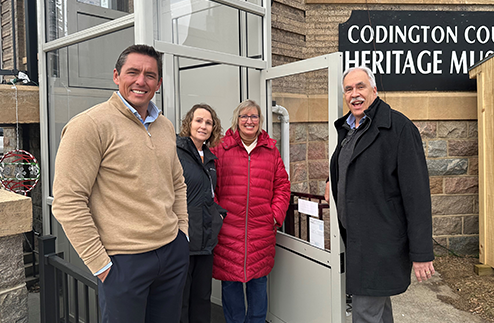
253, 187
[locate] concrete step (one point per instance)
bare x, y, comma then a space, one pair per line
28, 257
32, 282
31, 270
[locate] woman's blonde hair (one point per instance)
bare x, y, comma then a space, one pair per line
215, 137
245, 105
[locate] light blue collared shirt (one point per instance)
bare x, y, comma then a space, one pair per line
351, 120
103, 269
153, 112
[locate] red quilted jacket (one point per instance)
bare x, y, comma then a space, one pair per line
255, 191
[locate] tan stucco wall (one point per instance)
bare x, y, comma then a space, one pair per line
16, 214
27, 104
418, 106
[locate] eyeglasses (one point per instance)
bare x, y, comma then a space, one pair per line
244, 117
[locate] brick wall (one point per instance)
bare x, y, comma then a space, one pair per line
7, 36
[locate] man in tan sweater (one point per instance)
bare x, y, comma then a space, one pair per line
120, 195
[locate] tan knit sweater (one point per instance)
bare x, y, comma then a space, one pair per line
118, 188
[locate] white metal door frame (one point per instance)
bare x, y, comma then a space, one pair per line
143, 21
45, 47
335, 259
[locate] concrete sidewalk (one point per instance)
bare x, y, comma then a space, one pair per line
418, 305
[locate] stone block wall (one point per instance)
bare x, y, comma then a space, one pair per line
309, 166
451, 149
15, 218
29, 139
13, 291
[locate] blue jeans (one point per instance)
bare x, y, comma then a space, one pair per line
232, 295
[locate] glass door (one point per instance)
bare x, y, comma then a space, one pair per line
307, 278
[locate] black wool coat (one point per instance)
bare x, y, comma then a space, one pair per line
387, 203
204, 214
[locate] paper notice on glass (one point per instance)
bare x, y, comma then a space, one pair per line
308, 207
316, 232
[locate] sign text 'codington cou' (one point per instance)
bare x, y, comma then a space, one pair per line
418, 50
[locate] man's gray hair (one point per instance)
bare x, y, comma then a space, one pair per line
367, 70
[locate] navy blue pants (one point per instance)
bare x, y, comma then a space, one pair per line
146, 287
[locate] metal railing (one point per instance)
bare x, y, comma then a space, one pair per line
30, 259
298, 224
67, 293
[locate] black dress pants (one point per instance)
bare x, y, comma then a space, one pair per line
372, 309
196, 305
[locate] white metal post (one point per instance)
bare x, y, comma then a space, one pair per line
170, 89
43, 118
143, 23
335, 109
266, 50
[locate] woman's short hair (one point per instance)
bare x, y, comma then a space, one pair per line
245, 105
215, 137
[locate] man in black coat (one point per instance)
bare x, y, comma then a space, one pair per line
380, 183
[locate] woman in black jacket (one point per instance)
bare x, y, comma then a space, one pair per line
201, 129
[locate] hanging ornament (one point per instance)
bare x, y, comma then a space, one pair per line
19, 170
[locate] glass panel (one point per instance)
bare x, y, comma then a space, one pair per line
305, 97
205, 24
89, 68
64, 17
80, 77
214, 84
254, 36
253, 87
202, 27
121, 5
65, 101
